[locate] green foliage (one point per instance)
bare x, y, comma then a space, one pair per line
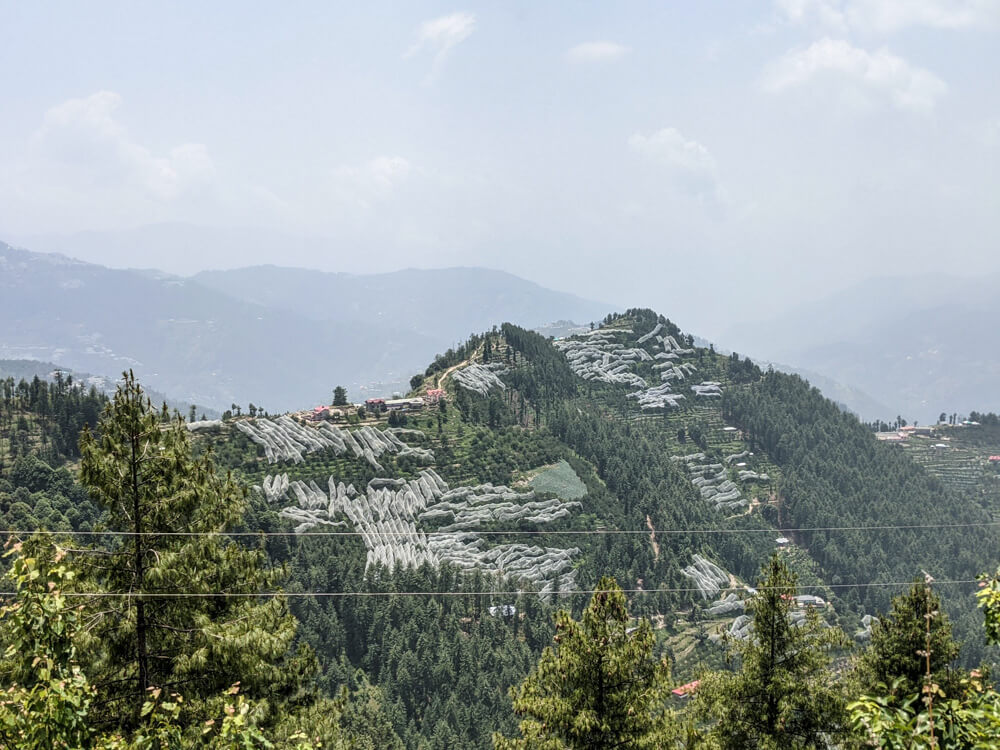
781, 695
45, 418
38, 496
900, 640
599, 687
438, 666
172, 508
454, 356
969, 717
49, 702
971, 722
435, 671
47, 697
836, 474
541, 374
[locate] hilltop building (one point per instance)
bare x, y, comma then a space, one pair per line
404, 404
375, 405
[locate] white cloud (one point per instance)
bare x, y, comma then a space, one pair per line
692, 165
879, 73
83, 139
440, 36
828, 12
366, 184
892, 15
591, 52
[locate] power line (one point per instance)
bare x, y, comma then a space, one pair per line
518, 532
346, 594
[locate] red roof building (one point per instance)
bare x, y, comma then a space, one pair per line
685, 691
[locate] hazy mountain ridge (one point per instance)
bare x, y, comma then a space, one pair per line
920, 345
447, 304
206, 347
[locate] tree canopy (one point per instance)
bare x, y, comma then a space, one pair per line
598, 687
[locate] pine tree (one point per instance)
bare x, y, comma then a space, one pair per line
968, 717
899, 640
599, 687
163, 622
781, 696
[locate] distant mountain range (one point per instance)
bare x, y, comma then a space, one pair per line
919, 345
278, 337
283, 337
445, 305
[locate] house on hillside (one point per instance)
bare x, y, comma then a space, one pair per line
404, 404
684, 692
319, 413
808, 600
375, 405
891, 437
434, 395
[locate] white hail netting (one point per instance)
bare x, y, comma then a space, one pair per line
708, 389
656, 397
284, 439
643, 339
597, 355
275, 487
726, 605
205, 424
544, 567
707, 576
481, 379
742, 627
468, 507
712, 481
864, 633
386, 515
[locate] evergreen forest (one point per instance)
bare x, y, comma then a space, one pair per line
616, 539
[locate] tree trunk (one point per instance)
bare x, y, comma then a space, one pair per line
140, 610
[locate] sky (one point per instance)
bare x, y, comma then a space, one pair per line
712, 160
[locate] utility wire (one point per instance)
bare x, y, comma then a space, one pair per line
537, 532
346, 594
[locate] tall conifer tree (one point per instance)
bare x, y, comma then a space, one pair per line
182, 614
599, 687
782, 695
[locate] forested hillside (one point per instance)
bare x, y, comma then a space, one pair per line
425, 549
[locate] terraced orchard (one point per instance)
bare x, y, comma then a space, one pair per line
530, 467
960, 456
412, 520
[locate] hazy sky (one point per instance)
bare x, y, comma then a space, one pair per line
709, 159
